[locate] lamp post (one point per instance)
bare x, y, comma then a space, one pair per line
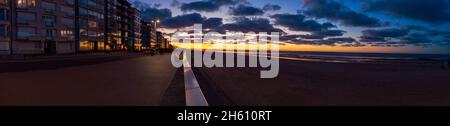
156, 22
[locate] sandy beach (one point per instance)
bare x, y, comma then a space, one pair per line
305, 83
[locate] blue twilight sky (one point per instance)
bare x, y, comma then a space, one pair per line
415, 26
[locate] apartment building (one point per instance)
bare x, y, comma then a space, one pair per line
136, 30
90, 25
5, 27
119, 24
148, 34
67, 26
36, 27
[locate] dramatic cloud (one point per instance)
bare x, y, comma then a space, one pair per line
416, 38
175, 3
382, 34
328, 42
395, 37
433, 11
335, 11
271, 7
297, 22
187, 20
244, 24
150, 12
243, 10
212, 23
342, 40
182, 21
208, 5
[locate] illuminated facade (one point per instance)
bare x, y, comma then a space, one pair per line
121, 23
148, 34
66, 26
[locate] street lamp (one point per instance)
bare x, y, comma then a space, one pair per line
157, 21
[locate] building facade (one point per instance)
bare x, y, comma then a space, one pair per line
90, 24
136, 30
37, 27
67, 26
148, 34
5, 27
119, 19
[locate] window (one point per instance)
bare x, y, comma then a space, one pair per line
4, 1
3, 32
26, 3
3, 14
50, 33
68, 10
83, 12
49, 20
49, 7
83, 32
92, 24
70, 1
93, 34
66, 33
23, 17
83, 23
26, 33
67, 22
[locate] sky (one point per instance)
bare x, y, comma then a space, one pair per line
374, 26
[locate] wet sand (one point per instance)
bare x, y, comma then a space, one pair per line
303, 83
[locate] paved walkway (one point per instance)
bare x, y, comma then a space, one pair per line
131, 82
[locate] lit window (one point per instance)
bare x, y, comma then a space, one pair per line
26, 3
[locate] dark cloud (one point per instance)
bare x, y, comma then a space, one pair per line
330, 32
244, 24
243, 10
150, 12
391, 32
297, 22
182, 21
322, 34
382, 35
175, 3
342, 40
433, 11
289, 37
271, 7
187, 20
212, 23
208, 5
335, 11
372, 39
355, 44
332, 41
154, 13
396, 37
416, 38
312, 36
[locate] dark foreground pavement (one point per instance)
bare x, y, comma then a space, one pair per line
139, 81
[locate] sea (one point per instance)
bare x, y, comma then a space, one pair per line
368, 57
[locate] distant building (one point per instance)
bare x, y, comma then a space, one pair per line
148, 34
136, 30
159, 39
